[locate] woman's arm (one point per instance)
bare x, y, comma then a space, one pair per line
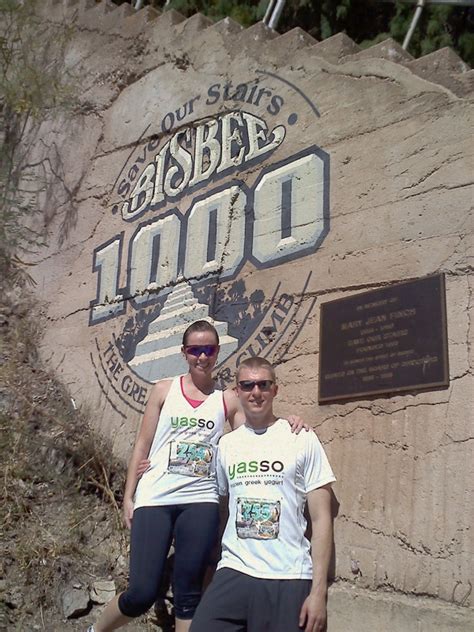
143, 444
235, 414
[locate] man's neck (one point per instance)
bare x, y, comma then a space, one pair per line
260, 423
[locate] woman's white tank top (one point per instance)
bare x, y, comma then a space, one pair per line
183, 451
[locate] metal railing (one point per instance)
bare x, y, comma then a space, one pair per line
420, 5
273, 13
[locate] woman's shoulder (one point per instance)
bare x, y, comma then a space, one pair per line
160, 389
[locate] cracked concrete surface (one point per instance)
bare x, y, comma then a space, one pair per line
400, 207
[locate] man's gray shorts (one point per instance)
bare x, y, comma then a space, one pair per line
235, 602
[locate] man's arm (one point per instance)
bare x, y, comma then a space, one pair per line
143, 445
313, 612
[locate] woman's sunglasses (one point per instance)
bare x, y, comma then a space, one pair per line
196, 350
249, 385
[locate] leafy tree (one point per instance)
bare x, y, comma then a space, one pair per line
439, 26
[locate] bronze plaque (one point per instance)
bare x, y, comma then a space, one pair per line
384, 341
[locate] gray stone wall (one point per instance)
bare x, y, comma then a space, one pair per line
247, 178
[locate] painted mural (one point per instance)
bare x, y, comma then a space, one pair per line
205, 197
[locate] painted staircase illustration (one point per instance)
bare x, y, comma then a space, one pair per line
158, 355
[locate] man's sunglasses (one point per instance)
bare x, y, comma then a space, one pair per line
196, 350
249, 385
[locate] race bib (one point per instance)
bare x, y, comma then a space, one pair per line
190, 459
257, 518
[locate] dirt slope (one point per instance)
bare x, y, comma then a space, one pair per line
60, 488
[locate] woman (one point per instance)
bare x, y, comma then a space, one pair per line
177, 496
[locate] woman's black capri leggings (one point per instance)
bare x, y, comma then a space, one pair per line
194, 527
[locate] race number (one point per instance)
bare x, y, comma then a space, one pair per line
257, 518
190, 459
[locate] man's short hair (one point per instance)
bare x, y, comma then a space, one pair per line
256, 363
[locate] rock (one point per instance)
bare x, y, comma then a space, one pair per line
74, 602
13, 598
355, 568
102, 591
122, 562
3, 621
6, 400
101, 514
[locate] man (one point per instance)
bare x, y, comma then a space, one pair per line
269, 578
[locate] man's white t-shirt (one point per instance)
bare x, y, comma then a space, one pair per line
267, 477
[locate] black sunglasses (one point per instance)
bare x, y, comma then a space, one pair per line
249, 385
196, 350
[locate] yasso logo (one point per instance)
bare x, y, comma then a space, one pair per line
254, 467
191, 422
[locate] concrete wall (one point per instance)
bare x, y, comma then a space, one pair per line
300, 172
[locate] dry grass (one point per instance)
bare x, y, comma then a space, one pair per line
56, 475
60, 488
